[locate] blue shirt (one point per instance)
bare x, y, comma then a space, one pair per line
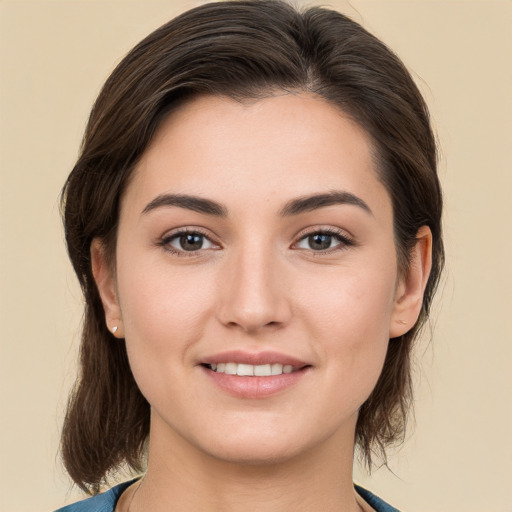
106, 501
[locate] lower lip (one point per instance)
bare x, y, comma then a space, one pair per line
255, 387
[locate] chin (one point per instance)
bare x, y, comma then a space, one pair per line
255, 453
263, 445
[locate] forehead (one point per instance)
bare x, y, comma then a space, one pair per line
273, 148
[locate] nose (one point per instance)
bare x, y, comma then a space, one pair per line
252, 293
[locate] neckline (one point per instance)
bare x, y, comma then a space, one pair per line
374, 501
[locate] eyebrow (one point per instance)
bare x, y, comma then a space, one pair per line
293, 207
194, 203
315, 201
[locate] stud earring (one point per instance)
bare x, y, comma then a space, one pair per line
114, 329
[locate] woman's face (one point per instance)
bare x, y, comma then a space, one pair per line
255, 238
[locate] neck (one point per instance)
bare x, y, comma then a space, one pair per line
180, 477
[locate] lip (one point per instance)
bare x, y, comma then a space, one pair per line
254, 387
254, 358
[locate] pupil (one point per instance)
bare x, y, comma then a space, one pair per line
191, 242
319, 241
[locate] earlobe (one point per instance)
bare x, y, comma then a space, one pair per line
103, 273
410, 290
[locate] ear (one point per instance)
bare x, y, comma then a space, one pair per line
411, 286
104, 276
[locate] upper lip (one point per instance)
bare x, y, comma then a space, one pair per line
254, 358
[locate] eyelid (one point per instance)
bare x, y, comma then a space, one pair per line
346, 239
164, 240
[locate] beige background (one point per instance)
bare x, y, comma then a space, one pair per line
54, 57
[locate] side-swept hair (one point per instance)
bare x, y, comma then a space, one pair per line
244, 50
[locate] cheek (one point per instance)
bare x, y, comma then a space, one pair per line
350, 318
353, 301
163, 314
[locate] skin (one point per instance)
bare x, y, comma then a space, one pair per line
256, 284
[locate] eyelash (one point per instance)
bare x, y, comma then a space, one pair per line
342, 238
165, 242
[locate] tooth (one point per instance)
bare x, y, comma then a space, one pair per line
263, 370
277, 369
245, 369
230, 368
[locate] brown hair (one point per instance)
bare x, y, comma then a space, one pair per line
244, 50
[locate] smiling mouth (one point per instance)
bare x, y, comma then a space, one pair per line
251, 370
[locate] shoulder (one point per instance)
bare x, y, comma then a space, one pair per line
378, 504
104, 502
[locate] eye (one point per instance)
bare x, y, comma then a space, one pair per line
323, 241
187, 241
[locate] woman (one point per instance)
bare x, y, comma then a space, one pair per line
255, 223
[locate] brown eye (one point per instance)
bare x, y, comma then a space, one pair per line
187, 241
323, 241
190, 242
319, 241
